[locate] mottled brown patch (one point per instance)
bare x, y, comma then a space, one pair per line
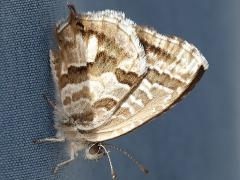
107, 103
122, 111
161, 53
83, 118
110, 46
103, 63
110, 53
101, 37
141, 95
67, 101
75, 75
105, 27
152, 42
119, 92
156, 92
163, 79
129, 78
84, 93
151, 61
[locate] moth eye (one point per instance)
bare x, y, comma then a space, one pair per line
95, 149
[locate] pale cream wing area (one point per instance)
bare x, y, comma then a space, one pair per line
174, 67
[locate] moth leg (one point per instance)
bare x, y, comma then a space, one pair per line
49, 140
50, 103
60, 165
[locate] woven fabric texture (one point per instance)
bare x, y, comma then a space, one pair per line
26, 37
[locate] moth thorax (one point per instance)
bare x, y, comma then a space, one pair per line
94, 151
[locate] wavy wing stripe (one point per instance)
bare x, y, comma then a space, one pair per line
175, 66
118, 128
164, 42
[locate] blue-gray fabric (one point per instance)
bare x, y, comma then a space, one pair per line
196, 140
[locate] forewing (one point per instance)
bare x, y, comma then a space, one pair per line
99, 61
174, 67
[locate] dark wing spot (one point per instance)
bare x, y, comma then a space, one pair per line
107, 103
129, 78
75, 75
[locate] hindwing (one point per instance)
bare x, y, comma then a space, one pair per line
174, 67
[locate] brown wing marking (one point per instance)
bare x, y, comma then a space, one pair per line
174, 67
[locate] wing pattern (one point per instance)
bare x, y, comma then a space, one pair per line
174, 67
112, 75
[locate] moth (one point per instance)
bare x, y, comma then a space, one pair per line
112, 76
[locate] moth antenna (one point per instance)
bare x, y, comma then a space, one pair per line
72, 9
140, 166
114, 176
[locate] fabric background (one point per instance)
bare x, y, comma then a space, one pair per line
198, 139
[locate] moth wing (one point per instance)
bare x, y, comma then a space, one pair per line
174, 67
99, 61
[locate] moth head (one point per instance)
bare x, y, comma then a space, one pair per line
98, 150
94, 151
